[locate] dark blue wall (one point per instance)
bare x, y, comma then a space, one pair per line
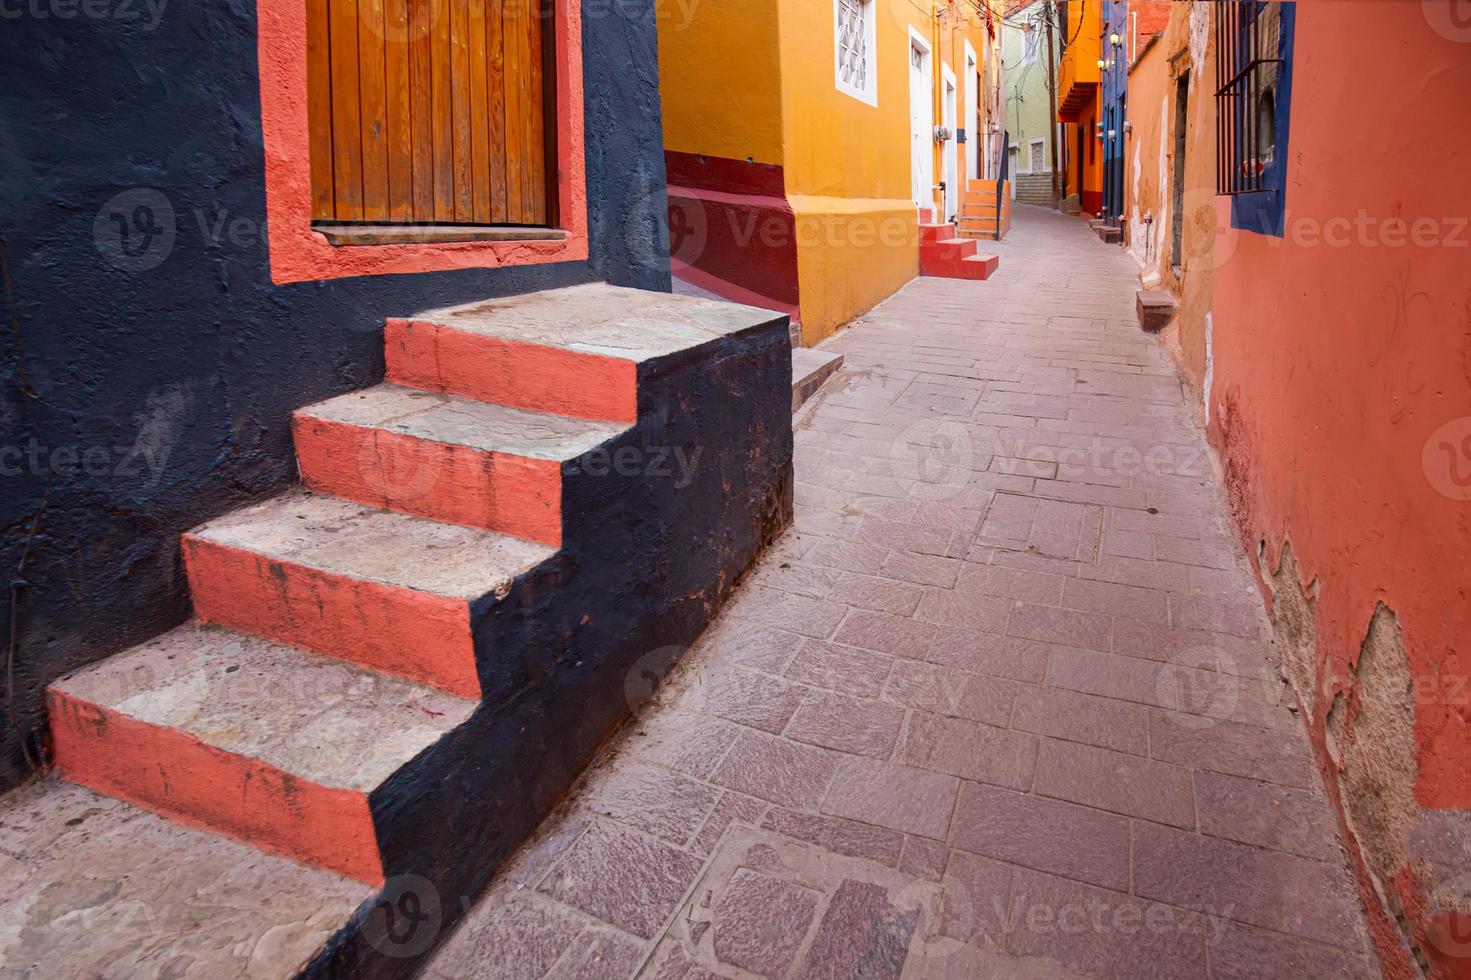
1112, 109
136, 403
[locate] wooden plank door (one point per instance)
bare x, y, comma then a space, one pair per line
430, 111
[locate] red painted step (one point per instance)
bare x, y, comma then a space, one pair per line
931, 233
249, 738
575, 352
956, 265
445, 458
386, 591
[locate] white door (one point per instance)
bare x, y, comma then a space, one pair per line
972, 117
951, 157
922, 125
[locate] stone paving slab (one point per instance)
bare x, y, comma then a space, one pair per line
1003, 704
95, 887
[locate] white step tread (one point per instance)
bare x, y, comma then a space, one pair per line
349, 539
327, 721
98, 887
611, 321
465, 422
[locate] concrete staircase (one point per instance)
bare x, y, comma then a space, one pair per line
978, 212
945, 254
397, 668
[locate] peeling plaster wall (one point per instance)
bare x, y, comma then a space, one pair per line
160, 397
1341, 408
1184, 48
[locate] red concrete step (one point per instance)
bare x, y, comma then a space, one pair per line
248, 738
445, 458
948, 249
978, 267
929, 233
383, 590
926, 216
576, 352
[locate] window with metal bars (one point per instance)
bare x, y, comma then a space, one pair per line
855, 39
1253, 110
1251, 62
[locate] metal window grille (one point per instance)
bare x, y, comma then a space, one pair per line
1247, 65
853, 43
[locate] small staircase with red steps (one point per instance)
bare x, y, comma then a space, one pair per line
944, 254
396, 669
978, 216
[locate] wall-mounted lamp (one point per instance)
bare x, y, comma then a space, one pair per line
1115, 40
1102, 64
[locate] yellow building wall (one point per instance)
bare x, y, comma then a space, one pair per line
755, 79
720, 78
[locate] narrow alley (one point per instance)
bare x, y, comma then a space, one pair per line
1003, 703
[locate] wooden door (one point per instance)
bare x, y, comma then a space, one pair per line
430, 111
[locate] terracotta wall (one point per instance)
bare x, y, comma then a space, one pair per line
1183, 50
1340, 401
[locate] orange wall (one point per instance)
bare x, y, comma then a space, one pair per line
1334, 367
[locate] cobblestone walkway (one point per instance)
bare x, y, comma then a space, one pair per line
1002, 704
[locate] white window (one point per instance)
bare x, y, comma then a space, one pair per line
857, 66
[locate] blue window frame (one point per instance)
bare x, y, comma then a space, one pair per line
1254, 107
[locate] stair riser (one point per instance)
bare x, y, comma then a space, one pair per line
456, 484
950, 269
929, 234
422, 637
179, 776
526, 376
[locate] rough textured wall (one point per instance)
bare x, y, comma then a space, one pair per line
138, 399
1341, 405
1186, 51
1147, 162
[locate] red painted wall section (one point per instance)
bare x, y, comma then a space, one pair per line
1340, 380
731, 229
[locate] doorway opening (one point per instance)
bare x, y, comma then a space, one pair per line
921, 123
1177, 178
